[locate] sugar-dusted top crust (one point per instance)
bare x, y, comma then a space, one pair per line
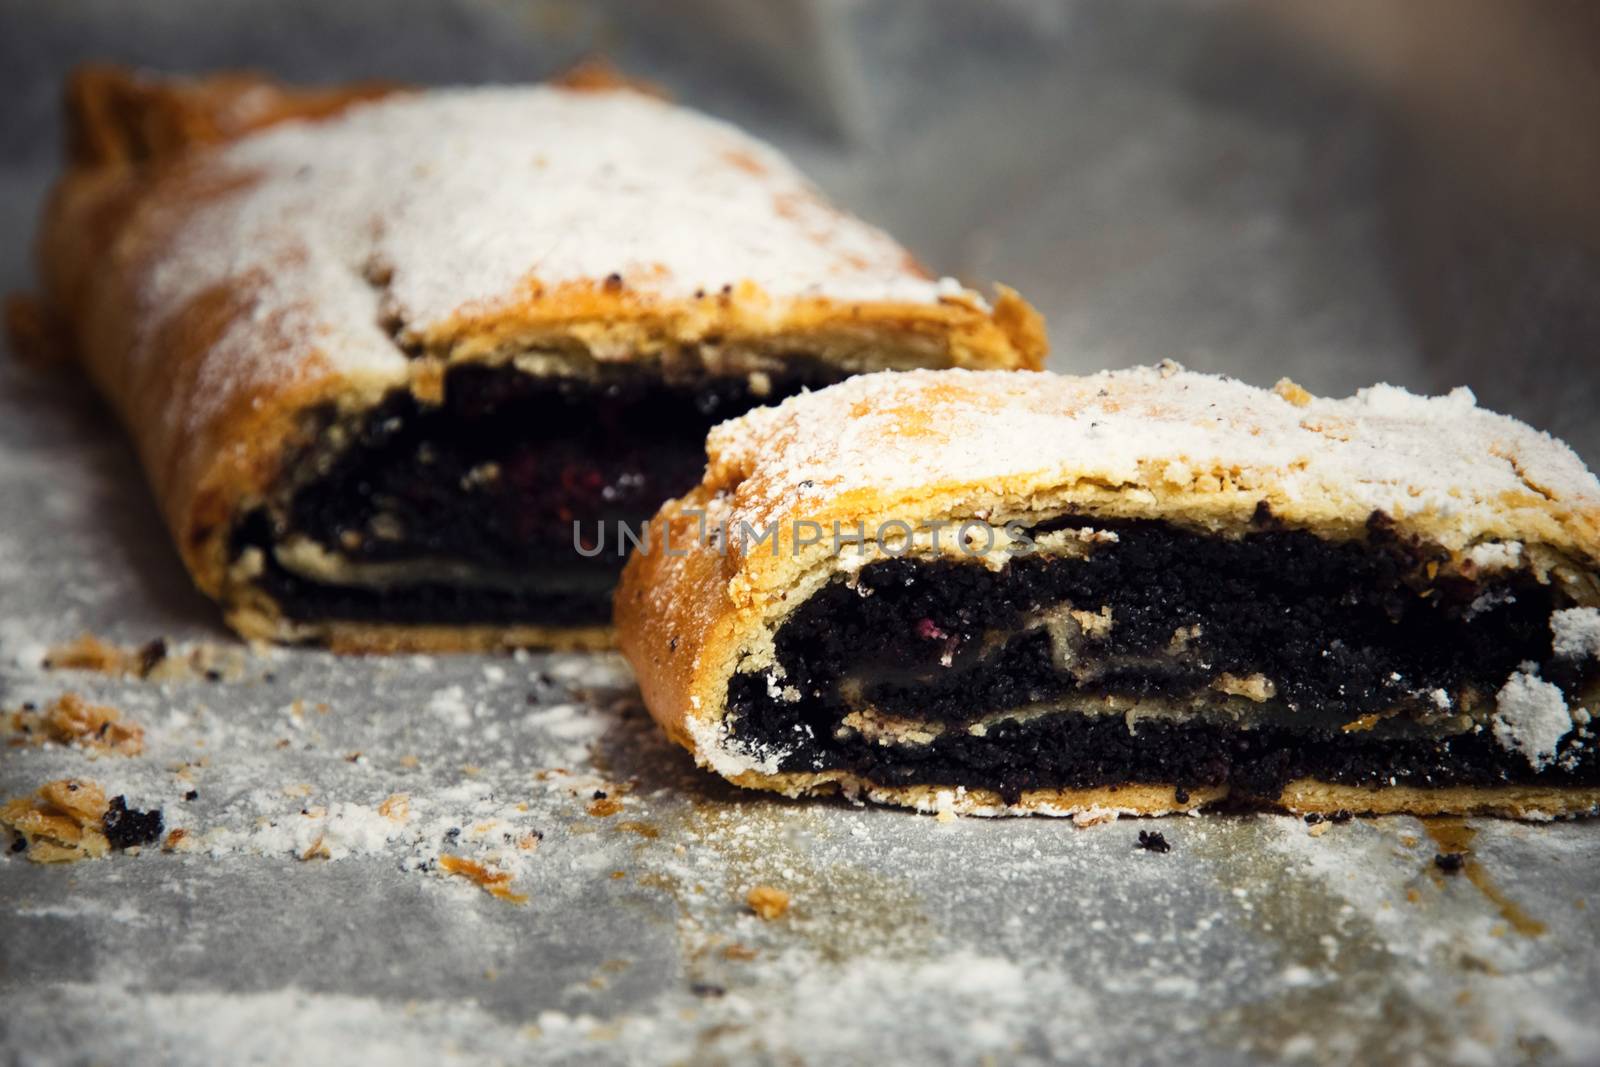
225, 251
1206, 445
1150, 442
478, 217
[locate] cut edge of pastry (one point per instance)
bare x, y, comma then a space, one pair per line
741, 328
690, 625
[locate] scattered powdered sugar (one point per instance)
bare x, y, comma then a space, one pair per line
1491, 597
464, 820
1495, 555
197, 1028
568, 723
986, 1004
1576, 633
23, 648
341, 829
1384, 449
907, 938
450, 704
1531, 716
1441, 942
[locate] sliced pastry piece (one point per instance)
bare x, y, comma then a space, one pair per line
384, 352
1143, 591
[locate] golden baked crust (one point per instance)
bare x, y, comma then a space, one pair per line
225, 253
1150, 443
1300, 797
1508, 801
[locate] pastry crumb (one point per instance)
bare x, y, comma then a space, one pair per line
72, 720
60, 823
87, 652
1295, 394
152, 660
396, 807
496, 883
603, 807
767, 902
1093, 817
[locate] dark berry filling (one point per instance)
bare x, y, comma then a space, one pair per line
1266, 657
126, 827
481, 493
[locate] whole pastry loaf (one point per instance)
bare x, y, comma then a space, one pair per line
383, 351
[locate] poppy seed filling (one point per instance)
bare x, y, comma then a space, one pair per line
1164, 655
463, 511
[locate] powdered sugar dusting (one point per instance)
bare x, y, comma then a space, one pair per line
1531, 716
422, 206
1384, 449
465, 819
1495, 555
1575, 633
334, 832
